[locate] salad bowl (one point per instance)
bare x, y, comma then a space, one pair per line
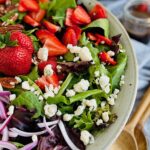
126, 97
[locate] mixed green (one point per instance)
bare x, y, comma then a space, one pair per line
61, 73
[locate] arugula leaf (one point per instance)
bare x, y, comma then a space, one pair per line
117, 70
31, 102
30, 32
57, 100
100, 23
5, 40
18, 145
85, 122
33, 75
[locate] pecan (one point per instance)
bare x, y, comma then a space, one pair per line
8, 82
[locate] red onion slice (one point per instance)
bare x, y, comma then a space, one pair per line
66, 137
4, 99
5, 123
2, 111
26, 134
42, 125
12, 134
7, 145
5, 93
30, 146
5, 134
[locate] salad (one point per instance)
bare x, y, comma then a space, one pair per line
60, 74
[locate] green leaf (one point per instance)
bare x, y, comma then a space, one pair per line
18, 145
31, 102
65, 84
83, 95
83, 41
101, 23
30, 32
118, 70
69, 56
33, 75
36, 42
57, 100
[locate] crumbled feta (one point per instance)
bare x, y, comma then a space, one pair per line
18, 79
50, 110
25, 85
60, 82
85, 54
10, 110
48, 94
99, 122
59, 68
56, 89
61, 58
116, 91
73, 49
92, 104
86, 137
59, 113
32, 89
111, 53
103, 103
79, 110
1, 88
111, 100
34, 138
102, 42
12, 97
41, 98
76, 59
97, 73
48, 71
67, 117
105, 116
37, 93
43, 54
81, 86
70, 93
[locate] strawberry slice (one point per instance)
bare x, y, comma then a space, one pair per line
53, 79
27, 19
51, 27
43, 64
80, 16
2, 1
43, 1
68, 21
78, 31
70, 37
43, 35
21, 8
38, 16
143, 7
101, 38
42, 82
31, 5
91, 36
104, 57
98, 12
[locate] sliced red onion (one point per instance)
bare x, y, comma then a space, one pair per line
7, 145
4, 99
42, 125
27, 134
5, 123
5, 93
66, 137
2, 111
30, 146
12, 134
49, 130
5, 136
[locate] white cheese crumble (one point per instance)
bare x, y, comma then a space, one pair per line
43, 54
85, 54
37, 93
103, 103
102, 42
92, 104
32, 89
99, 122
79, 110
48, 71
59, 113
73, 49
111, 53
34, 138
12, 97
70, 93
67, 117
81, 86
50, 110
18, 79
10, 110
41, 98
25, 85
86, 137
96, 73
76, 59
105, 116
58, 68
1, 88
48, 94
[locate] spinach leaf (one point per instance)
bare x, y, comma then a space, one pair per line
117, 70
33, 75
57, 100
99, 23
83, 41
30, 101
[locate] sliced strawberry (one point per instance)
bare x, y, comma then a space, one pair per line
91, 36
38, 16
98, 12
101, 38
143, 7
43, 35
80, 16
51, 27
30, 5
68, 21
53, 79
2, 1
54, 46
21, 8
78, 31
42, 82
27, 19
43, 64
104, 57
43, 1
70, 37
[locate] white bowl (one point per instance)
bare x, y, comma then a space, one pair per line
126, 98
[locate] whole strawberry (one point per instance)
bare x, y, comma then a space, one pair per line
23, 40
15, 61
